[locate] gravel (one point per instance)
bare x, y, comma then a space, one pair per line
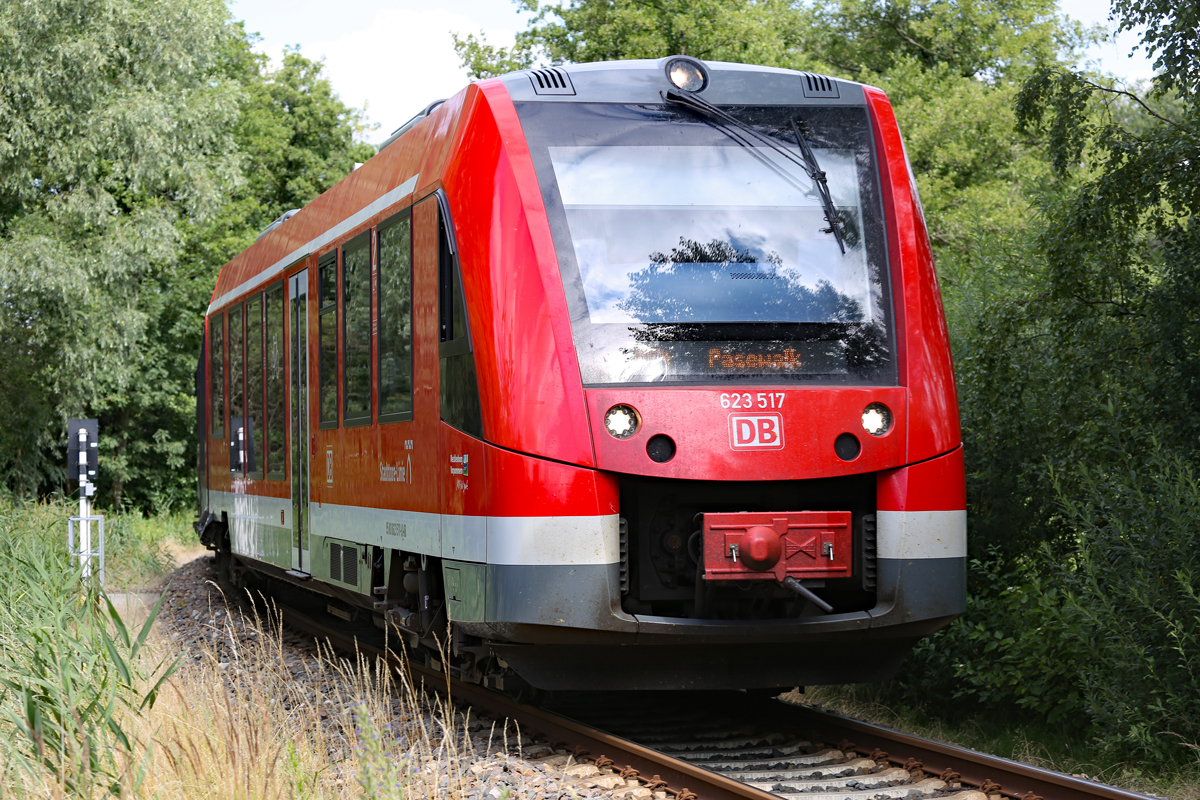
486, 761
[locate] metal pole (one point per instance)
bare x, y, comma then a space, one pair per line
85, 511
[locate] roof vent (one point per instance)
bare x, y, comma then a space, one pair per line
819, 86
551, 81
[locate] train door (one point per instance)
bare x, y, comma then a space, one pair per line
460, 445
298, 343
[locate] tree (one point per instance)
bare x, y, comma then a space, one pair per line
579, 31
112, 128
142, 144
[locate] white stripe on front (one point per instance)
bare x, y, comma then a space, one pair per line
922, 534
349, 223
553, 540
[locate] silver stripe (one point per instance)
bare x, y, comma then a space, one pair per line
464, 538
543, 541
349, 223
411, 531
250, 516
922, 534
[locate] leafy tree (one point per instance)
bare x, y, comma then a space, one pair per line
580, 31
113, 127
142, 144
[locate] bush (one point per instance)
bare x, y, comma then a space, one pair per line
1136, 604
1012, 648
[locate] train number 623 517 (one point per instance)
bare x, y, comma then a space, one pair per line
748, 400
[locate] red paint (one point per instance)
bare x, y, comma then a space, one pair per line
923, 342
776, 545
938, 484
699, 420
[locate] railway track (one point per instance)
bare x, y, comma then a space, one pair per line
724, 745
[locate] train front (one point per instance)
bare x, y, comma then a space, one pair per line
763, 353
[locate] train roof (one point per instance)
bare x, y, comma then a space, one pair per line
644, 81
397, 171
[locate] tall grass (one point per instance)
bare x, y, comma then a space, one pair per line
263, 724
71, 674
90, 708
140, 551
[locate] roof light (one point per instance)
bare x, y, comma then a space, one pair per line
687, 74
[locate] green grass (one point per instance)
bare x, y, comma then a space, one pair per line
141, 551
71, 673
1010, 736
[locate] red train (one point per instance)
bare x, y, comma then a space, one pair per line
624, 375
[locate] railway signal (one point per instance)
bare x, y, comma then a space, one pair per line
83, 439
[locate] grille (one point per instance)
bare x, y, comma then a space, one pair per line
819, 86
335, 561
350, 565
551, 81
870, 552
343, 563
624, 528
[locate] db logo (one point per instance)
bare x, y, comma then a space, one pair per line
756, 431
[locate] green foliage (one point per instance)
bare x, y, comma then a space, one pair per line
992, 40
579, 31
112, 126
1137, 602
1015, 647
142, 145
71, 673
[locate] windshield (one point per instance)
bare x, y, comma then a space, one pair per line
689, 256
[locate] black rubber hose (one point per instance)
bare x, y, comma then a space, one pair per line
807, 594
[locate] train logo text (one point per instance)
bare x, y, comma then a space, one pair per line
756, 431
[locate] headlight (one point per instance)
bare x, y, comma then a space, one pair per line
877, 419
686, 74
622, 421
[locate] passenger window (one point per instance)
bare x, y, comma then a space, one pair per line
395, 318
216, 385
276, 413
236, 389
459, 386
327, 324
254, 383
356, 338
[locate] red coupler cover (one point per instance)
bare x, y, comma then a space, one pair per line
774, 544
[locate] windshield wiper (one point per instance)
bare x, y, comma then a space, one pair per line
809, 163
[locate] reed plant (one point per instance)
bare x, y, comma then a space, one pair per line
72, 675
91, 708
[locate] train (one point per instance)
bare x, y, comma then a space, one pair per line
626, 375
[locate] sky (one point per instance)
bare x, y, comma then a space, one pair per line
393, 57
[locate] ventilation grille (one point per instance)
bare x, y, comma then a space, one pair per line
343, 563
551, 81
870, 553
624, 534
819, 86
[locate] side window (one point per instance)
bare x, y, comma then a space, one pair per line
459, 386
327, 322
254, 384
276, 412
395, 318
216, 373
356, 337
236, 390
